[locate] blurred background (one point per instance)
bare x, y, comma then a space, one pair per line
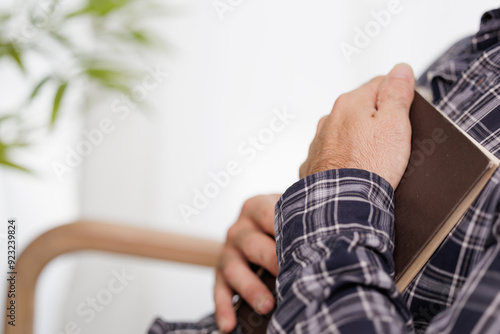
124, 110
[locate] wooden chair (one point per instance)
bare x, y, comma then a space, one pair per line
95, 236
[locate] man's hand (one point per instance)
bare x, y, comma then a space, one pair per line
250, 239
368, 129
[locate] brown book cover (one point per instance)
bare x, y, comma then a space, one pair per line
446, 172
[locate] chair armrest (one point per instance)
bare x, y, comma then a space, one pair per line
84, 235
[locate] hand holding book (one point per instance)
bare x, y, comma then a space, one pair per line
353, 131
367, 129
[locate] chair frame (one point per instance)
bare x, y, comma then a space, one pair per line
95, 236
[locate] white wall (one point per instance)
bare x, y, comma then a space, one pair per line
225, 79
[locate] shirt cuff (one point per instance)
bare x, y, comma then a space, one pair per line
335, 202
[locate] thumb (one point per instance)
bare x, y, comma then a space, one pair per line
396, 92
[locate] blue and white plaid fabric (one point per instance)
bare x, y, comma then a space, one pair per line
334, 231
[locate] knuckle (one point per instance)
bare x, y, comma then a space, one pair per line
232, 233
266, 213
247, 205
320, 123
266, 259
343, 103
250, 248
256, 253
229, 273
342, 99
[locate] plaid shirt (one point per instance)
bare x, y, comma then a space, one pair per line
335, 231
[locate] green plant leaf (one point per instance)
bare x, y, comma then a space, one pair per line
100, 7
112, 78
12, 51
57, 102
141, 37
5, 161
39, 86
114, 74
10, 164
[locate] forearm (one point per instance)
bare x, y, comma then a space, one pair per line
334, 235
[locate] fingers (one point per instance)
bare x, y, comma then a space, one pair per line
260, 209
234, 274
224, 311
238, 275
249, 240
259, 249
396, 92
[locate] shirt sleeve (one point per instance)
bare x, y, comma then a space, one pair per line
335, 240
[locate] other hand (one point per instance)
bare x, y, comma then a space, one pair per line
250, 239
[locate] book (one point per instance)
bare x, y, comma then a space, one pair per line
446, 172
